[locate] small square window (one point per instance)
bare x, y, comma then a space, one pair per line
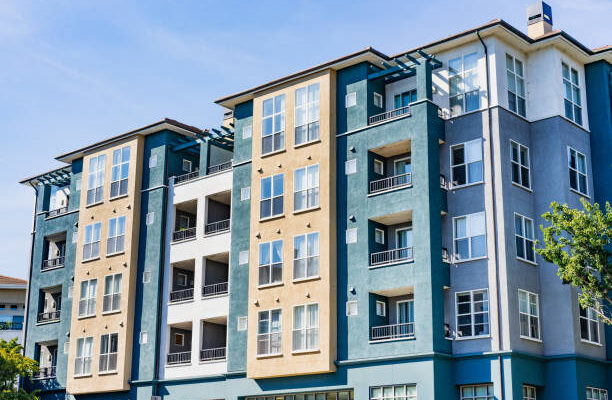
379, 167
379, 236
146, 276
378, 100
242, 324
350, 166
153, 161
179, 339
351, 308
245, 193
150, 218
351, 235
186, 165
247, 131
66, 347
144, 337
243, 257
381, 308
75, 237
351, 99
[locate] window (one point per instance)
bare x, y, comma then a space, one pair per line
242, 324
379, 236
463, 84
108, 353
186, 165
146, 276
306, 188
112, 293
150, 218
153, 161
306, 256
273, 124
269, 328
477, 392
589, 325
519, 158
523, 229
405, 98
66, 347
120, 171
87, 299
181, 279
351, 308
516, 85
529, 314
306, 327
473, 313
466, 163
351, 99
395, 392
350, 166
351, 235
77, 185
529, 392
91, 246
271, 262
596, 394
571, 100
116, 235
243, 257
179, 339
307, 114
378, 100
381, 308
272, 189
75, 236
144, 337
82, 360
470, 236
245, 193
95, 179
247, 131
379, 167
577, 171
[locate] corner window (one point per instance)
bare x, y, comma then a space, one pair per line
82, 359
108, 352
589, 325
519, 158
112, 293
273, 124
306, 187
272, 191
350, 100
378, 100
271, 262
477, 392
307, 114
396, 392
464, 93
95, 179
524, 234
306, 256
466, 163
87, 298
91, 243
529, 314
116, 235
516, 85
577, 171
469, 236
571, 98
306, 327
269, 331
472, 313
120, 172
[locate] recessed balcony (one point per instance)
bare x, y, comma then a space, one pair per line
214, 340
217, 168
182, 275
218, 208
392, 315
185, 221
390, 167
50, 304
389, 115
55, 249
45, 354
391, 239
179, 346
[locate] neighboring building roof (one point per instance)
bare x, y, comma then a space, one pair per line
7, 282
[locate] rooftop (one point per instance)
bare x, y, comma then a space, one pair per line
10, 281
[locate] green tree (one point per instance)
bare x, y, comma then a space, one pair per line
578, 242
13, 364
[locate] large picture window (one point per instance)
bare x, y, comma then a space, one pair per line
108, 353
516, 85
577, 171
519, 159
82, 359
525, 240
116, 235
529, 314
112, 293
306, 327
472, 313
87, 299
571, 98
589, 325
95, 179
91, 242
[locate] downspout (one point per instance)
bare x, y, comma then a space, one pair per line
494, 210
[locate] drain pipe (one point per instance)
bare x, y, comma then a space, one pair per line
494, 210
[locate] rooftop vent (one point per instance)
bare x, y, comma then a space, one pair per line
539, 20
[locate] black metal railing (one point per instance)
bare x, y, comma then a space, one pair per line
398, 112
391, 256
57, 211
216, 227
186, 177
214, 289
53, 263
214, 169
179, 358
212, 354
394, 331
184, 234
44, 373
11, 326
49, 316
181, 295
391, 182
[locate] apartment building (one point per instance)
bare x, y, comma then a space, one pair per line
12, 307
362, 229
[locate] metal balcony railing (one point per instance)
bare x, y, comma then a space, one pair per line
216, 227
53, 263
49, 316
44, 373
394, 331
214, 289
186, 177
179, 358
57, 212
391, 182
11, 326
215, 169
212, 354
181, 295
398, 112
391, 256
183, 234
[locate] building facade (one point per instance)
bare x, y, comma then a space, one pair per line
12, 307
363, 229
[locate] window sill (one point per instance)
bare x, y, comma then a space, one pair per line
90, 260
270, 285
55, 321
298, 146
273, 153
305, 210
51, 269
452, 187
307, 279
591, 343
462, 338
121, 196
395, 189
408, 261
308, 351
586, 196
273, 217
454, 261
392, 340
111, 312
525, 188
93, 205
531, 339
83, 376
80, 317
107, 373
115, 254
535, 264
263, 356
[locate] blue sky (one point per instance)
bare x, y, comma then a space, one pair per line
74, 72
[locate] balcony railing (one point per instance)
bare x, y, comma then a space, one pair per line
179, 358
44, 373
214, 289
395, 331
183, 234
49, 316
391, 182
186, 177
391, 256
181, 295
214, 169
216, 227
53, 263
57, 211
212, 354
11, 326
398, 112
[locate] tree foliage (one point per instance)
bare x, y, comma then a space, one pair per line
13, 364
578, 242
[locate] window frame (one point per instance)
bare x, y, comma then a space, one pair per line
272, 197
378, 100
81, 346
466, 164
383, 308
115, 236
270, 332
89, 300
307, 191
381, 167
187, 166
406, 395
523, 237
310, 120
382, 235
574, 88
106, 353
95, 180
306, 328
519, 164
92, 237
468, 218
489, 388
276, 130
600, 393
472, 314
590, 317
114, 295
307, 257
528, 390
529, 315
271, 265
517, 78
119, 169
577, 172
462, 75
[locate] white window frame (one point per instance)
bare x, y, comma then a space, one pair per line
245, 193
116, 235
81, 358
350, 166
307, 257
381, 308
518, 164
473, 313
469, 236
522, 236
513, 78
91, 241
398, 392
120, 172
378, 100
350, 99
311, 192
186, 166
87, 299
591, 318
273, 196
114, 295
351, 235
489, 389
177, 342
143, 338
247, 131
532, 300
107, 356
462, 74
271, 265
146, 276
379, 167
242, 323
311, 110
467, 161
150, 218
302, 329
575, 171
593, 393
529, 392
270, 332
243, 257
152, 161
574, 97
379, 235
352, 308
95, 179
276, 130
181, 276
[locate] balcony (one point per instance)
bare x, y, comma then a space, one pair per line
395, 331
45, 354
390, 167
179, 347
45, 373
52, 263
215, 169
391, 239
185, 221
183, 234
55, 249
186, 177
181, 295
217, 227
183, 357
49, 304
57, 212
218, 207
215, 275
182, 281
392, 314
215, 289
212, 354
49, 316
391, 256
389, 183
389, 115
